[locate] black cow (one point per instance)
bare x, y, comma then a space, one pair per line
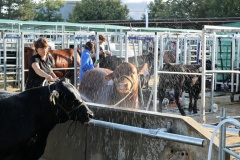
27, 118
111, 62
180, 83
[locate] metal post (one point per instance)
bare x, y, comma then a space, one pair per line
185, 50
203, 115
155, 72
213, 68
22, 61
75, 60
146, 14
126, 47
238, 62
232, 66
222, 135
97, 47
5, 61
121, 43
177, 50
63, 38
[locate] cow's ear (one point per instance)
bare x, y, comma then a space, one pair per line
108, 77
143, 70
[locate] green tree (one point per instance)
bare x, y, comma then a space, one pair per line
193, 9
99, 10
27, 10
49, 11
12, 7
224, 8
188, 8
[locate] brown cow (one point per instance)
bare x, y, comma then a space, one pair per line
118, 87
61, 59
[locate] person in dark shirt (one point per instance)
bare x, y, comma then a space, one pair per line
102, 39
40, 65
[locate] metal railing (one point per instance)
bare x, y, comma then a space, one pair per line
223, 148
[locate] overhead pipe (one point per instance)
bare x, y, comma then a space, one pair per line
156, 133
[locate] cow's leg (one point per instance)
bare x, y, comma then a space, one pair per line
178, 93
195, 105
196, 94
190, 108
161, 95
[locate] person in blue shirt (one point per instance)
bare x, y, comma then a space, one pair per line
86, 60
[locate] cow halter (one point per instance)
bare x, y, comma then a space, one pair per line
132, 84
52, 98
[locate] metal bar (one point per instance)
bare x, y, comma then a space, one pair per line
222, 71
232, 153
233, 146
203, 83
232, 66
5, 62
155, 76
156, 133
182, 73
126, 47
22, 63
222, 135
75, 62
229, 130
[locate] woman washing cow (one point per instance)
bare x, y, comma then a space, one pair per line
86, 60
40, 65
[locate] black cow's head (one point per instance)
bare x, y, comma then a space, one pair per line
67, 98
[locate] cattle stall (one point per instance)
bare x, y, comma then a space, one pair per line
10, 49
216, 29
208, 36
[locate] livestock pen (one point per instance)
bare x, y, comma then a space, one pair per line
110, 143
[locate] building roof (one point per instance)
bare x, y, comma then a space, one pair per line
39, 26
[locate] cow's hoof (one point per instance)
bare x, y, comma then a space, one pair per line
195, 112
183, 113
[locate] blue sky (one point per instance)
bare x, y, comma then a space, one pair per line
136, 7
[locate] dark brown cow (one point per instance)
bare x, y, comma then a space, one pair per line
61, 58
180, 83
118, 87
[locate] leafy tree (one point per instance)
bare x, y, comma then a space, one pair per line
12, 8
188, 8
49, 11
193, 9
99, 10
27, 10
224, 8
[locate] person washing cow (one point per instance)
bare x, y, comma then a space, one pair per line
86, 60
40, 65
